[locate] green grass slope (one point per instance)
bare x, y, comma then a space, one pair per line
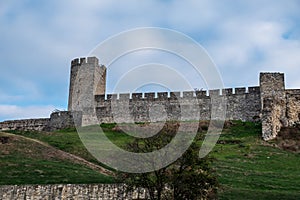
25, 161
247, 167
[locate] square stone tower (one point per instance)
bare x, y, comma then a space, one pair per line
87, 79
273, 100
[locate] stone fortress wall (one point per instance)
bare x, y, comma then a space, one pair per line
86, 93
240, 105
269, 103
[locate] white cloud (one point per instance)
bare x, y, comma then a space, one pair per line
39, 39
246, 46
8, 112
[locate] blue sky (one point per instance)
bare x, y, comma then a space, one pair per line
38, 39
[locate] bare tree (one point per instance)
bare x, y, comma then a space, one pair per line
187, 178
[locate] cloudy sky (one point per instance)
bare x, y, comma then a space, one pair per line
38, 39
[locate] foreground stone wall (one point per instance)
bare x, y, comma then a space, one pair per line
69, 192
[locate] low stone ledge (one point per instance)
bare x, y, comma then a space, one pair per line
71, 191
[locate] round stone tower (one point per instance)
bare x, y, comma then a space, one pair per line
87, 79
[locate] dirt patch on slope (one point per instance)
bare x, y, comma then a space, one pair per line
289, 139
10, 143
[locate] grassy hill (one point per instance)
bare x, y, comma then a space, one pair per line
247, 167
250, 168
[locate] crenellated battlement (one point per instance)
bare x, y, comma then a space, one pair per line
84, 60
241, 103
293, 91
254, 90
240, 90
161, 96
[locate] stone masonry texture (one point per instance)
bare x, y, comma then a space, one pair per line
71, 192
